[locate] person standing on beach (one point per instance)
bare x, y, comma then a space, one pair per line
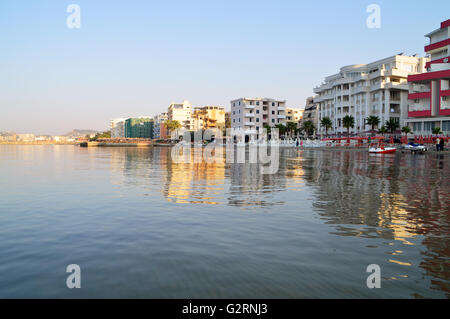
438, 144
442, 144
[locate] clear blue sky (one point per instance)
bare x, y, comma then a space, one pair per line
135, 57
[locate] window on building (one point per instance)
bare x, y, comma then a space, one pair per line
445, 126
429, 126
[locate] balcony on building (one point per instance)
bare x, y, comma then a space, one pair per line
396, 73
419, 107
345, 89
437, 45
402, 85
394, 96
374, 73
394, 109
361, 88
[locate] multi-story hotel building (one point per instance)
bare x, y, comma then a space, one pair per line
117, 127
209, 117
181, 112
294, 115
429, 98
139, 127
310, 112
127, 127
159, 129
251, 114
379, 88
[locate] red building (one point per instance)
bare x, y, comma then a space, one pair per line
429, 93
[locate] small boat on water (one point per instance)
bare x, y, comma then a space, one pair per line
382, 150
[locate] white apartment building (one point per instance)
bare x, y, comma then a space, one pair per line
379, 88
251, 114
117, 127
181, 112
26, 137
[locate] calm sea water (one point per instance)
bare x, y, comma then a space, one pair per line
142, 226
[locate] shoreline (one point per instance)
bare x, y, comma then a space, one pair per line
431, 148
37, 143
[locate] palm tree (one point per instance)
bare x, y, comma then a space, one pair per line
172, 125
267, 127
291, 127
326, 122
392, 125
348, 122
406, 130
373, 120
281, 129
437, 131
308, 127
382, 130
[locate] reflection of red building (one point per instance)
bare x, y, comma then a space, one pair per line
429, 93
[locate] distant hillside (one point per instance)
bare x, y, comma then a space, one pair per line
82, 133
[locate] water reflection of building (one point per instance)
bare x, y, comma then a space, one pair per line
248, 187
401, 198
193, 182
